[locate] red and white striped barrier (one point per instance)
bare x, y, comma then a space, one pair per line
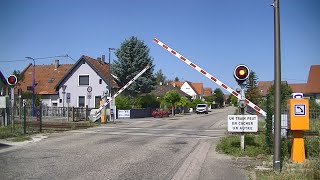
122, 89
208, 75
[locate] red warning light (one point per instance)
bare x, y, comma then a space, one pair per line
241, 73
12, 80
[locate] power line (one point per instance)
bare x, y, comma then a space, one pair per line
40, 58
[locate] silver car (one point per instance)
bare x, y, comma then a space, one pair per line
202, 108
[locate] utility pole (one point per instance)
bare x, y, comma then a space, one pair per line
277, 89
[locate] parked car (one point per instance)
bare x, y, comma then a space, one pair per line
202, 108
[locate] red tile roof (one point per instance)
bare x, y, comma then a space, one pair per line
46, 77
198, 87
298, 88
207, 91
264, 86
176, 83
311, 87
313, 84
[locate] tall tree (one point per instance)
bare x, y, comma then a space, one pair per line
252, 92
133, 56
160, 77
219, 96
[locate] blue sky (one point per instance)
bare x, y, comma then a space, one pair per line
216, 35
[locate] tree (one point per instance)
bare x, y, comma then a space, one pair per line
233, 100
160, 77
133, 56
149, 101
252, 80
219, 97
176, 79
172, 97
18, 74
184, 101
122, 103
252, 92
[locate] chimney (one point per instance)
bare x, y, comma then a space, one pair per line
99, 59
56, 64
103, 60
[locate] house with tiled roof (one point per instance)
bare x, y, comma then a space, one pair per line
309, 89
61, 85
45, 77
160, 90
207, 91
86, 81
195, 90
3, 84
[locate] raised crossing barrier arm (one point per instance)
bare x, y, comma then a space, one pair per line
208, 75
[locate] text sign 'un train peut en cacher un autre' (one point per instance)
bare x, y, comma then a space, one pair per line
242, 123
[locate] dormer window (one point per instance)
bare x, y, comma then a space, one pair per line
83, 80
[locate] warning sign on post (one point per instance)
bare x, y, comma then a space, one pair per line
242, 123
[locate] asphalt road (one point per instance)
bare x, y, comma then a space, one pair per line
181, 147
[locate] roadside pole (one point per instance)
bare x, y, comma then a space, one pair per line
24, 119
242, 113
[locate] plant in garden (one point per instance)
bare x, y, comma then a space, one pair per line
172, 97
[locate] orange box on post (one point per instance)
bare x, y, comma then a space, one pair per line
299, 114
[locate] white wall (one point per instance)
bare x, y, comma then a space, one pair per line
75, 90
188, 90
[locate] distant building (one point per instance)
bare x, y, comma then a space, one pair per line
76, 78
309, 89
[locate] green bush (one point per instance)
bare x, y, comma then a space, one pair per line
254, 145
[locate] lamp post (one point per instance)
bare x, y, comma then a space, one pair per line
63, 96
33, 80
109, 79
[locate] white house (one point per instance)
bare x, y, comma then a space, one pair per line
75, 85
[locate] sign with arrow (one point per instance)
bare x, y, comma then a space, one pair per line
299, 109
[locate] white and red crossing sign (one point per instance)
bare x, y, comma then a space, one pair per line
208, 75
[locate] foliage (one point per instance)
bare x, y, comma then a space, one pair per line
160, 113
133, 56
184, 102
285, 93
27, 95
160, 77
233, 100
254, 145
304, 171
268, 130
251, 82
149, 101
219, 97
210, 99
195, 102
176, 79
172, 97
19, 75
122, 103
313, 104
252, 92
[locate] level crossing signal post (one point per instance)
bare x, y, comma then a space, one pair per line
241, 73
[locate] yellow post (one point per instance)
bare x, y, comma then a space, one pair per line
103, 116
297, 149
299, 121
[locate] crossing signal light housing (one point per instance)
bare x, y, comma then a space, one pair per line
241, 73
12, 80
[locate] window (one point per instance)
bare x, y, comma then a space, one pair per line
81, 102
83, 80
97, 100
60, 100
100, 81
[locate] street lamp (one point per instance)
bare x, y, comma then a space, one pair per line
33, 80
63, 95
109, 79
